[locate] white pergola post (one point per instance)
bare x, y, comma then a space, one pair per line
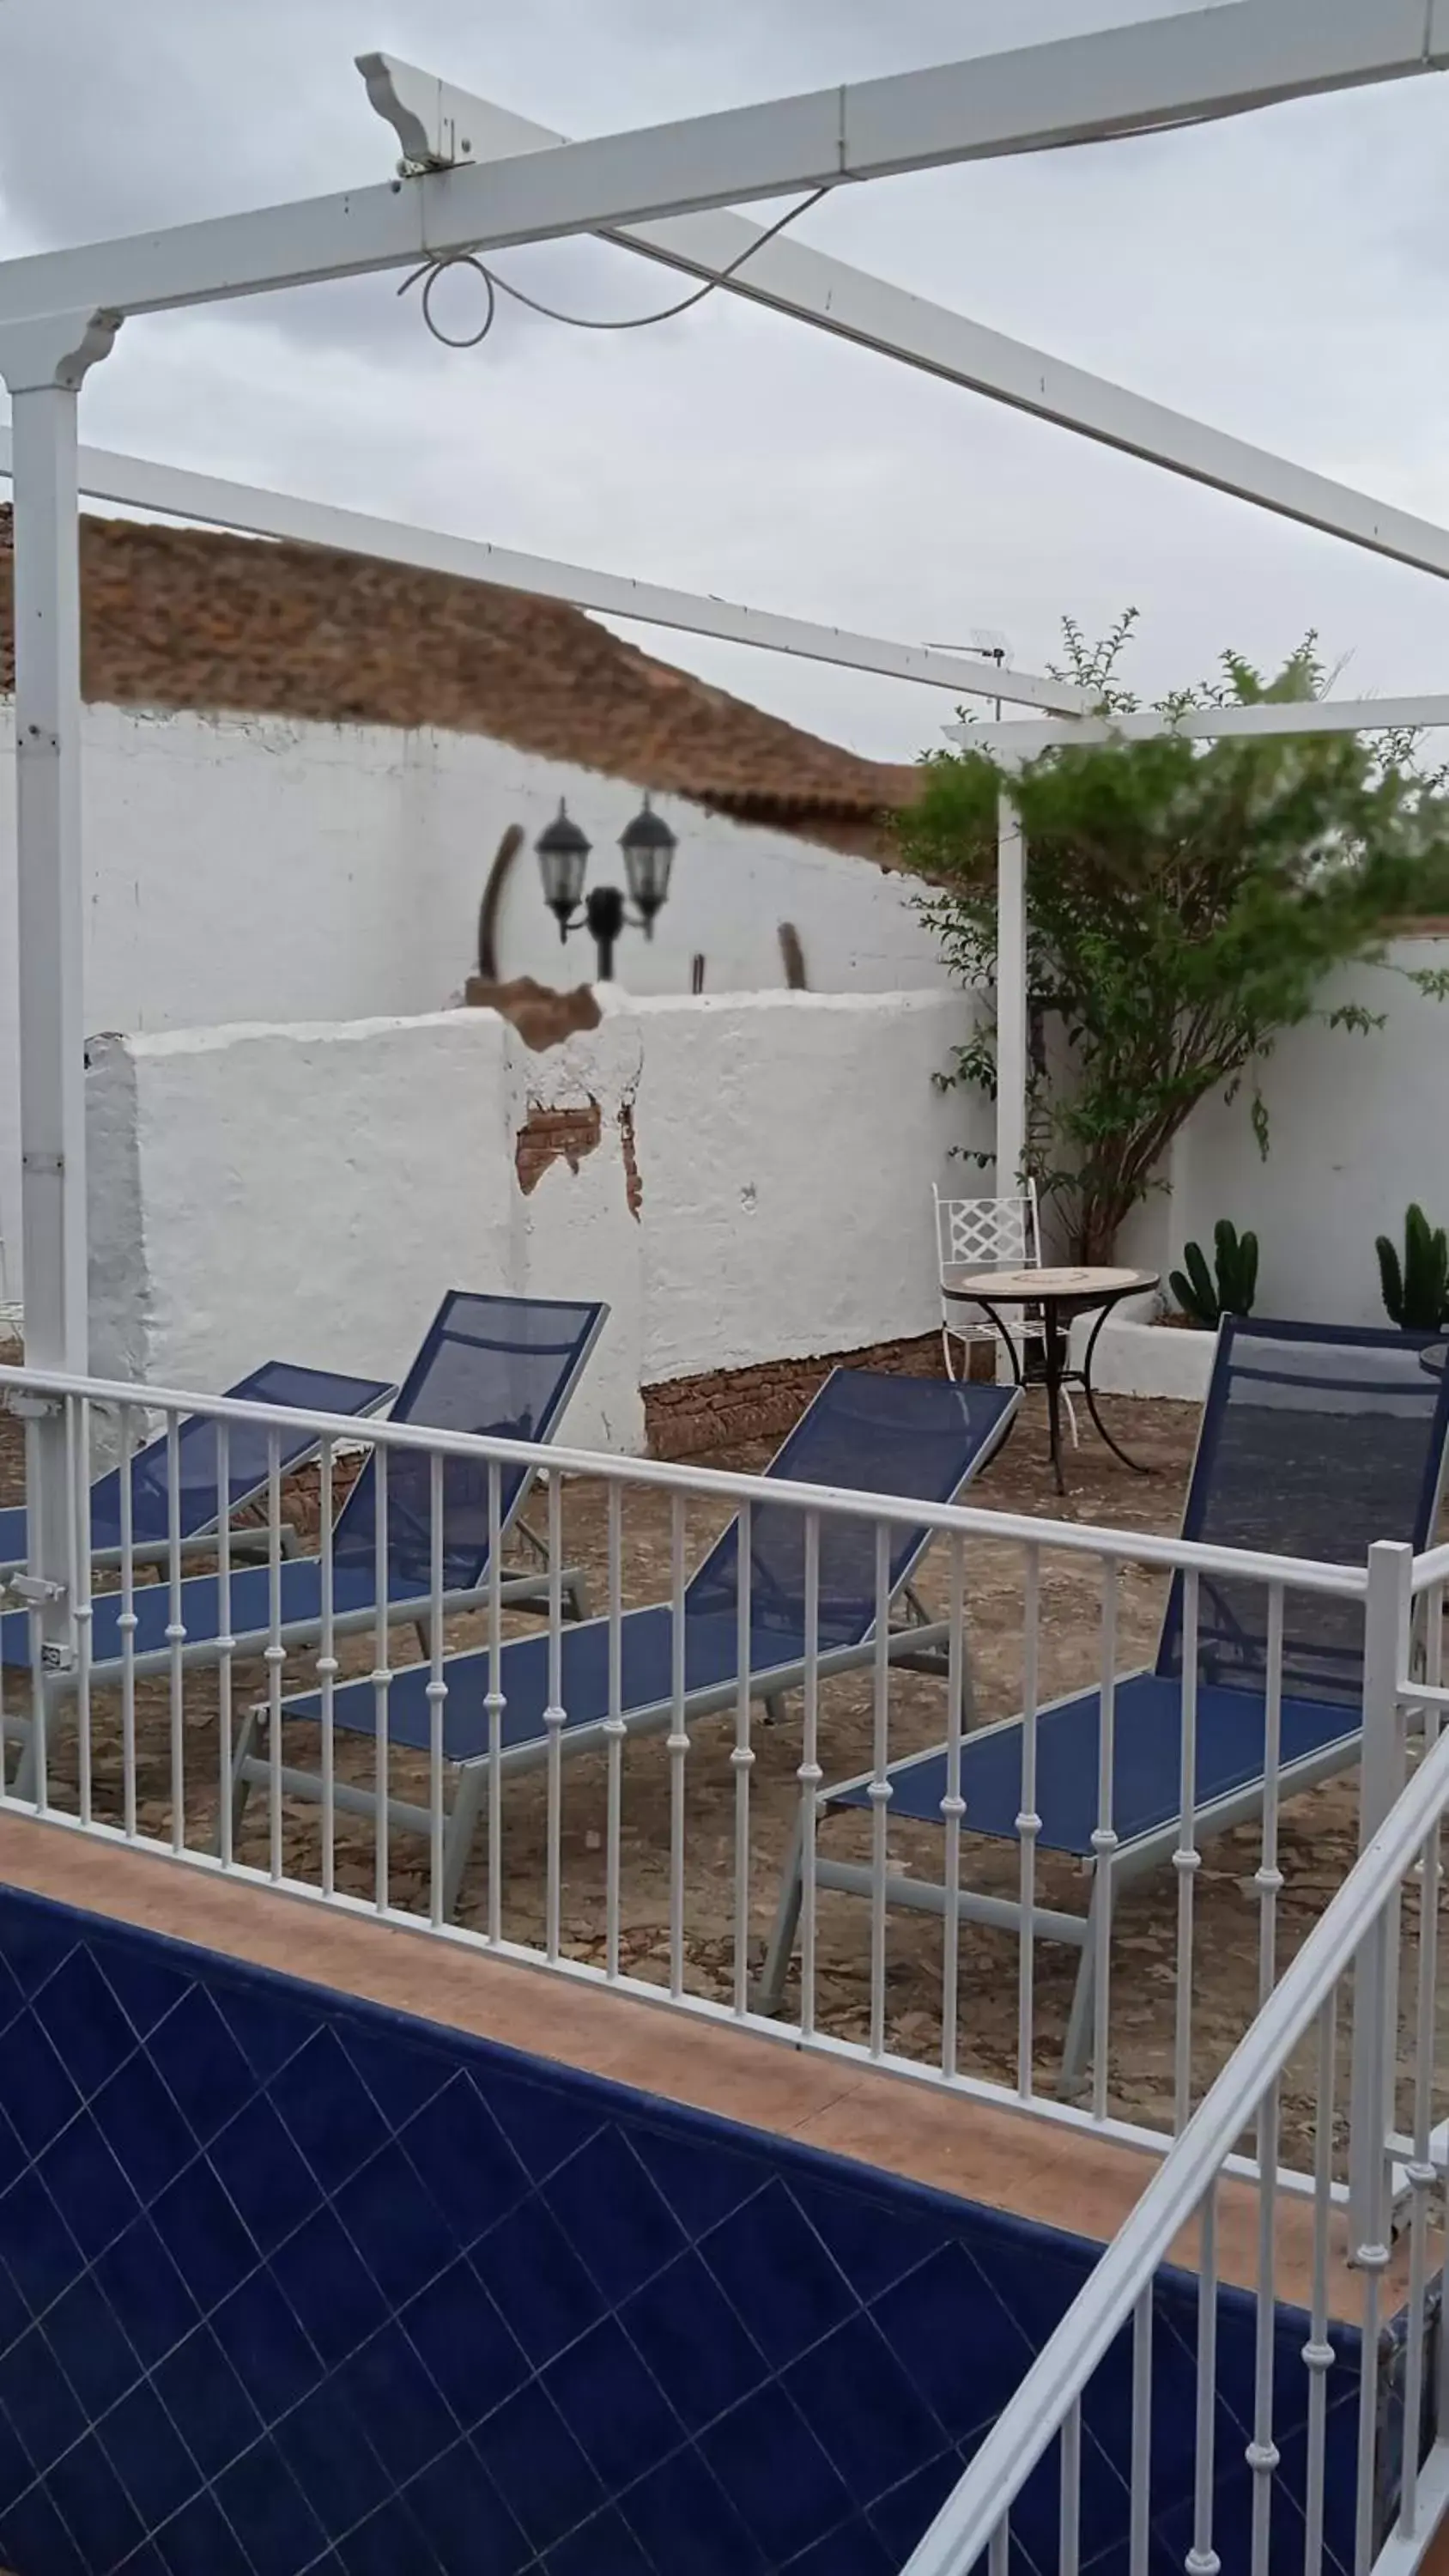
1011, 1015
1011, 997
43, 364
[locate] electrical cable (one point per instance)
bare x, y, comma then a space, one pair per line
432, 269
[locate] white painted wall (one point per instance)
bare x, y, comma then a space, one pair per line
250, 869
313, 1190
1359, 1126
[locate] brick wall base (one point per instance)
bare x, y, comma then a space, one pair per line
688, 1417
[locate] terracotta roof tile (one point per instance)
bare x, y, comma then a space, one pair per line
186, 617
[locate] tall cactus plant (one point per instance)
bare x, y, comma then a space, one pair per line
1416, 1288
1229, 1288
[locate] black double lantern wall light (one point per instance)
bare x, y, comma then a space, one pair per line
648, 846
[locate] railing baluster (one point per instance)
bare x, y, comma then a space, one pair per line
880, 1790
1140, 2538
1269, 1877
810, 1775
327, 1668
1202, 2559
126, 1623
1069, 2533
40, 1518
381, 1688
1028, 1824
1318, 2353
615, 1732
743, 1756
4, 1791
1422, 2178
275, 1655
1104, 1846
678, 1744
1376, 1996
1432, 1914
495, 1702
1262, 2450
1433, 1729
79, 1453
1186, 1860
553, 1721
226, 1750
953, 1808
437, 1691
176, 1633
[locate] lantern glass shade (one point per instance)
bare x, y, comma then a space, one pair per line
648, 846
563, 858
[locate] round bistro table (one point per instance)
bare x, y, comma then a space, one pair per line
1062, 1295
1434, 1357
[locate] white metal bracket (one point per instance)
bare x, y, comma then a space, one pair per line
32, 1591
1401, 2151
55, 349
430, 118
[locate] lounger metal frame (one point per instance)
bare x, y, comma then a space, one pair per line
1130, 1859
919, 1644
245, 1542
520, 1591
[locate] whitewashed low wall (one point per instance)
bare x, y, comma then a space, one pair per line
311, 1191
246, 868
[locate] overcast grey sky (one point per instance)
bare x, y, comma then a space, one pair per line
1282, 276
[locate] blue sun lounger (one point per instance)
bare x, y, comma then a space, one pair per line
917, 1439
310, 1390
500, 1365
1315, 1443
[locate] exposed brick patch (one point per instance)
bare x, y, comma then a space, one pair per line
554, 1136
687, 1417
633, 1182
542, 1017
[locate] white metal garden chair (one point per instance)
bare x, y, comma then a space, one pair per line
987, 1234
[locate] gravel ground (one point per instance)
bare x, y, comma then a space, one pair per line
1317, 1843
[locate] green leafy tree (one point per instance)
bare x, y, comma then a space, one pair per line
1186, 903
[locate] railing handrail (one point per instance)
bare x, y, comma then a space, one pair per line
1082, 1538
1431, 1568
963, 2528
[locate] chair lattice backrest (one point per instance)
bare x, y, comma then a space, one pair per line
1316, 1441
988, 1234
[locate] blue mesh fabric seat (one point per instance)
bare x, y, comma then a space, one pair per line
917, 1439
308, 1390
504, 1366
1316, 1443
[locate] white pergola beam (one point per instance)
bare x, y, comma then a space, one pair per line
431, 119
140, 484
1265, 722
1216, 62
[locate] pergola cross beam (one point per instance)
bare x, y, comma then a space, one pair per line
1126, 80
1269, 718
438, 125
139, 483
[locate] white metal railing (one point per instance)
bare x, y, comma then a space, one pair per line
662, 1878
1358, 1948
